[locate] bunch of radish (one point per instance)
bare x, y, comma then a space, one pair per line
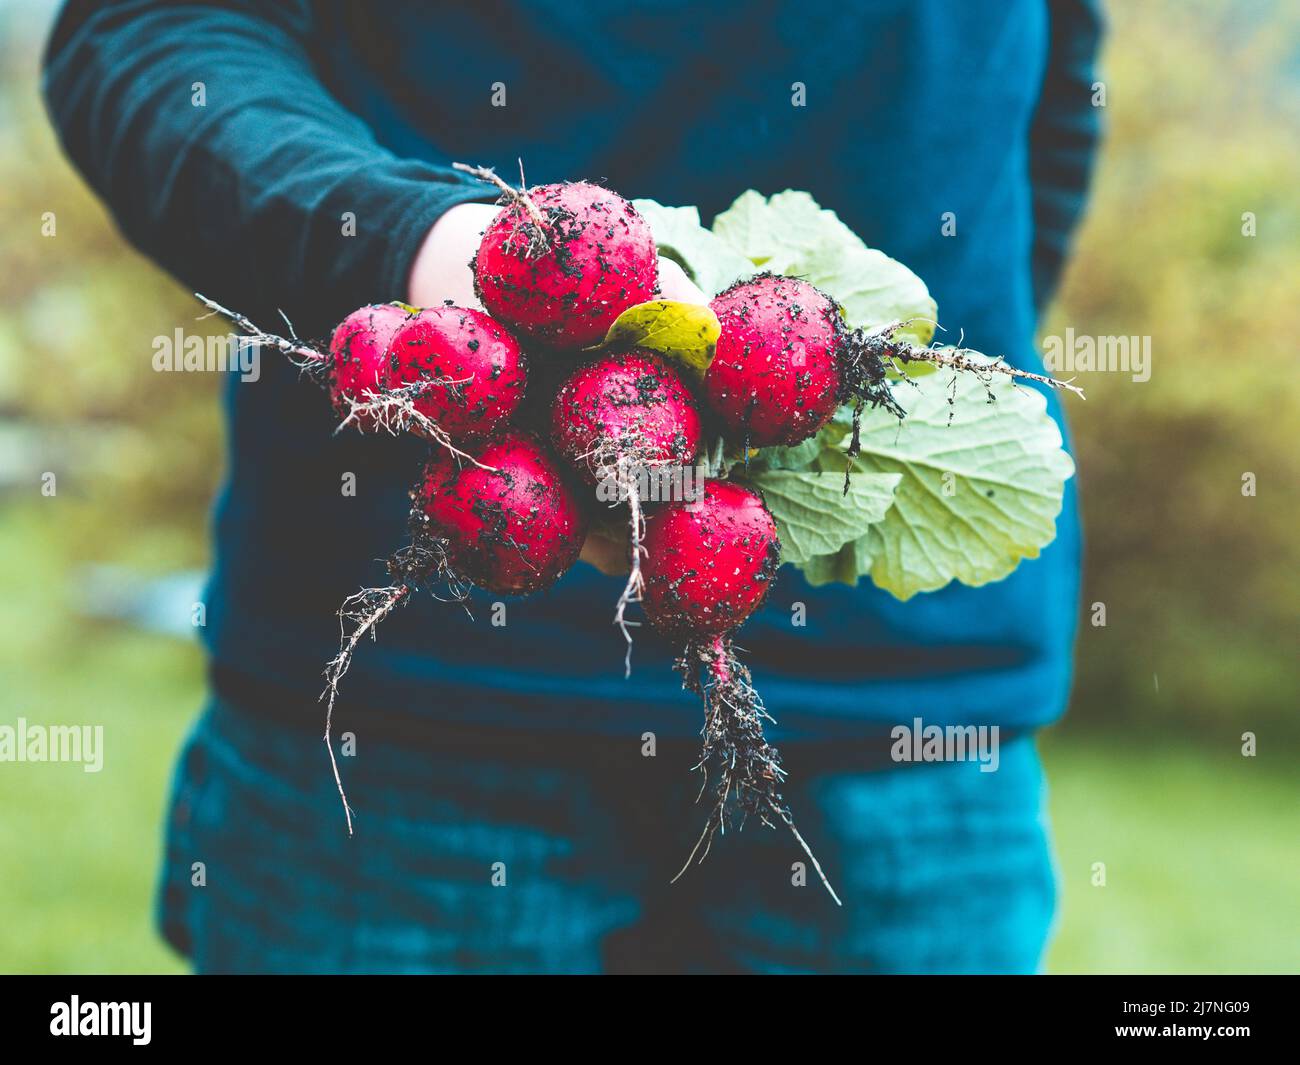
508, 495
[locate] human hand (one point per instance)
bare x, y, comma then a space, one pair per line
441, 268
441, 271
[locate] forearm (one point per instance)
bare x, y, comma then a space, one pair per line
248, 197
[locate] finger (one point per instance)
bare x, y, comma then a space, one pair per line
606, 555
675, 285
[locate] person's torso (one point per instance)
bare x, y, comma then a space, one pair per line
897, 115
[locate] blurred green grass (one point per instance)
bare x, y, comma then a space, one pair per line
1202, 872
81, 848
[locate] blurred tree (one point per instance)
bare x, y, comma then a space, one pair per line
1200, 581
79, 310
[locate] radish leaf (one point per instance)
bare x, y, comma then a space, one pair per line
981, 485
791, 234
813, 515
711, 262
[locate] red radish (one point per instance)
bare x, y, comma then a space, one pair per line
618, 419
632, 407
357, 357
560, 262
708, 567
775, 377
482, 365
709, 564
511, 528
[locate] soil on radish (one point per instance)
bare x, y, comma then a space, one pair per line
513, 524
625, 410
480, 369
560, 262
775, 376
709, 564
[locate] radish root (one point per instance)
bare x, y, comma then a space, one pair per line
539, 239
635, 587
364, 610
302, 355
394, 412
629, 463
868, 352
744, 769
865, 380
422, 564
391, 410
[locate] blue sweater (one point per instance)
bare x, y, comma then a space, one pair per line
980, 108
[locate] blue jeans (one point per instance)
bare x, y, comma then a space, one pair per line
942, 868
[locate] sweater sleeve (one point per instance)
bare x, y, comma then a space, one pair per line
207, 129
1064, 136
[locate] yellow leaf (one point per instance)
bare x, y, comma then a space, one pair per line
685, 333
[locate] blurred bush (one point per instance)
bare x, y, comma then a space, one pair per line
138, 452
1200, 582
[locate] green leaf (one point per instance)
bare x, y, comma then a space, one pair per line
910, 369
799, 457
711, 262
976, 497
684, 332
776, 233
846, 566
875, 290
813, 515
791, 234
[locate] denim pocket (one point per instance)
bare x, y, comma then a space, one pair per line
190, 787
